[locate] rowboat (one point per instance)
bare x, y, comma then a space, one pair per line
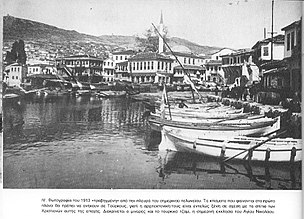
219, 129
278, 150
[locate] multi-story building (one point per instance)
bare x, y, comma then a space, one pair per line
239, 68
191, 63
292, 54
284, 76
122, 56
150, 67
261, 51
218, 55
40, 69
214, 72
83, 67
14, 74
108, 73
122, 71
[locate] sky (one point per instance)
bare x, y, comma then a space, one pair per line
224, 23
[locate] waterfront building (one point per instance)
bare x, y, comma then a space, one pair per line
193, 65
14, 74
218, 55
214, 72
122, 56
284, 76
40, 69
292, 54
108, 73
261, 53
122, 71
239, 69
83, 67
150, 67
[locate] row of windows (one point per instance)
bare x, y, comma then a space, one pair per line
211, 68
15, 77
34, 69
150, 65
15, 69
235, 60
108, 63
81, 63
121, 58
189, 61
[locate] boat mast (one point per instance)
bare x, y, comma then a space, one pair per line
272, 4
176, 60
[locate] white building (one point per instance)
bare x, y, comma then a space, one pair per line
122, 56
108, 73
14, 74
217, 55
41, 69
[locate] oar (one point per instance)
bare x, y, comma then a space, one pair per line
255, 146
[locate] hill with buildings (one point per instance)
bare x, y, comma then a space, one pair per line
45, 42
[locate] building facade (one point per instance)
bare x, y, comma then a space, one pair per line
14, 74
108, 73
82, 67
239, 68
150, 67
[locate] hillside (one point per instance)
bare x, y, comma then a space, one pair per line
58, 42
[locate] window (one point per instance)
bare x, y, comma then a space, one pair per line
158, 65
16, 77
137, 68
162, 65
288, 42
13, 77
170, 66
216, 57
126, 57
116, 57
152, 65
134, 65
185, 60
292, 39
145, 65
193, 61
219, 68
215, 68
148, 67
120, 57
207, 67
265, 51
140, 65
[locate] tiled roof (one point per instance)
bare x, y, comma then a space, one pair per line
190, 67
239, 52
214, 62
184, 54
124, 52
80, 57
149, 56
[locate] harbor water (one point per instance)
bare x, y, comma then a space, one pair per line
94, 143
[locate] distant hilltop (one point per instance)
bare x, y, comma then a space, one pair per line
32, 31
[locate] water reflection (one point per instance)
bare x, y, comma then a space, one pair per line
237, 174
87, 142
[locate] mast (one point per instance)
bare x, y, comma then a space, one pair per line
176, 60
272, 4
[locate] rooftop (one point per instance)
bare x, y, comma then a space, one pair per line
124, 52
150, 56
276, 39
86, 57
292, 25
184, 54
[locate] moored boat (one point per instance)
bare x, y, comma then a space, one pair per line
279, 150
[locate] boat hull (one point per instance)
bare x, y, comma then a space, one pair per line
276, 150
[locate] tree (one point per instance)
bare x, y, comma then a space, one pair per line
150, 42
17, 53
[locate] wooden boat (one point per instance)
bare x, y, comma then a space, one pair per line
220, 128
279, 150
111, 94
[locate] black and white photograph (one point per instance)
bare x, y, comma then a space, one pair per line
160, 95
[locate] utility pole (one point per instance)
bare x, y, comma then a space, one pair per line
272, 30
